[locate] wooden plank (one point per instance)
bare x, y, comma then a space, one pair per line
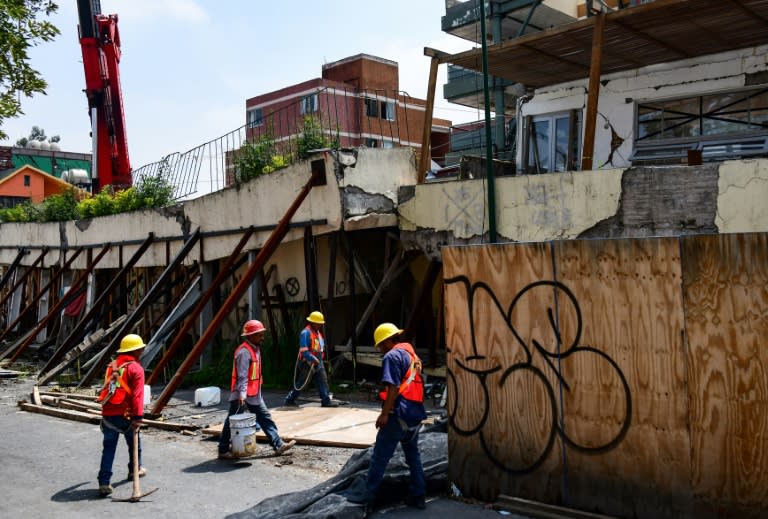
725, 285
502, 421
349, 427
625, 404
542, 510
374, 359
61, 413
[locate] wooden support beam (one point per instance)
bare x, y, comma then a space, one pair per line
12, 267
84, 325
23, 277
40, 292
54, 312
422, 311
198, 309
593, 93
317, 178
426, 137
90, 342
138, 312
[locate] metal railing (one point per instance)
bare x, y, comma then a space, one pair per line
280, 132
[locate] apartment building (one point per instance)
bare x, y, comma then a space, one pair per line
356, 102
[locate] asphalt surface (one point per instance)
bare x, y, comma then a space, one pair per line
48, 468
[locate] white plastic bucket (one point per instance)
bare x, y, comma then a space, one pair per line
207, 396
243, 434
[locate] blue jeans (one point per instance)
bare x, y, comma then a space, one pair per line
112, 427
263, 418
386, 442
321, 381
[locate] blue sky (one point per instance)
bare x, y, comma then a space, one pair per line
189, 65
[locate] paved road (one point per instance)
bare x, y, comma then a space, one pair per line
48, 468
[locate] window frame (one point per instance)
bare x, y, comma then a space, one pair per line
254, 121
371, 106
573, 142
310, 104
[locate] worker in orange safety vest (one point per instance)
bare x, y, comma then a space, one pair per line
122, 411
245, 391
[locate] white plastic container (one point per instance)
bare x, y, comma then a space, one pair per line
207, 396
147, 394
243, 434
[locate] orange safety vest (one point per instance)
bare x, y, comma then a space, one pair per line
254, 372
315, 346
116, 386
412, 385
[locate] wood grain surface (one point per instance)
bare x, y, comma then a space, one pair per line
726, 299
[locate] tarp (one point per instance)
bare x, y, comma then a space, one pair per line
329, 499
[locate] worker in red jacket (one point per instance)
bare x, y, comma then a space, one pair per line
122, 400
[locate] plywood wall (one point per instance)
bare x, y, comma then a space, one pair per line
726, 299
571, 380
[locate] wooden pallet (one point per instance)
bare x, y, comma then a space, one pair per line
328, 426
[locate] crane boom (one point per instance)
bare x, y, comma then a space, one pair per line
100, 45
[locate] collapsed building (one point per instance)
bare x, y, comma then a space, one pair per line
599, 319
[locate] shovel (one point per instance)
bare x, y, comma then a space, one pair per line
137, 495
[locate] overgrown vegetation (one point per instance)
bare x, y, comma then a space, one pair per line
265, 155
149, 192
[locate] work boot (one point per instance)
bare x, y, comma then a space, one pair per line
416, 502
329, 403
229, 455
105, 490
142, 473
285, 447
291, 403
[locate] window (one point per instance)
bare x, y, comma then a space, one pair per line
552, 142
371, 107
388, 110
703, 116
309, 104
716, 126
27, 180
371, 143
255, 117
387, 144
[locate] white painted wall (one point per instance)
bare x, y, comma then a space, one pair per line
620, 95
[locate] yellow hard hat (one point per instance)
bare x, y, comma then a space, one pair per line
384, 331
131, 342
316, 317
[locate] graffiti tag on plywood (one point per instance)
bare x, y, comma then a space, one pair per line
469, 417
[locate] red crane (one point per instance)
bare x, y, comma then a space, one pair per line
100, 44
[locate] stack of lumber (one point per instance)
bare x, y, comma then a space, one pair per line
83, 408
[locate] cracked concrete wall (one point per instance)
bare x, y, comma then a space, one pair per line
726, 197
363, 197
742, 191
529, 208
260, 202
620, 92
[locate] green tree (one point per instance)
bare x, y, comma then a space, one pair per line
22, 25
37, 134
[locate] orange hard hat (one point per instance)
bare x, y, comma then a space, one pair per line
253, 326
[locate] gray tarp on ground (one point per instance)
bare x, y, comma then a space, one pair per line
328, 499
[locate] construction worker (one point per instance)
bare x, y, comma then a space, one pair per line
401, 415
245, 391
122, 400
311, 355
